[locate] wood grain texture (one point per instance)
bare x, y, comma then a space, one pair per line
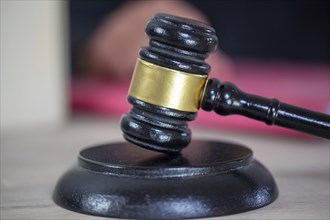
32, 162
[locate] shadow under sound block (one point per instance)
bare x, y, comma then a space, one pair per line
207, 179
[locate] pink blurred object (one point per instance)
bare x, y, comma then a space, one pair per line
303, 85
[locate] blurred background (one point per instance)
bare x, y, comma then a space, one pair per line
61, 58
34, 64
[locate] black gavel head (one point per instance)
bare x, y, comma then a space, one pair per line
168, 83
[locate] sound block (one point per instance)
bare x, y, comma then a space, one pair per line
207, 179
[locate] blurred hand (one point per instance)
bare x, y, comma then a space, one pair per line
113, 49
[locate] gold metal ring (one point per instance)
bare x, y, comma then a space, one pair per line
166, 87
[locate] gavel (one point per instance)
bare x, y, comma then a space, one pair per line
170, 83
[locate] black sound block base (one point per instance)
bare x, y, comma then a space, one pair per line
122, 180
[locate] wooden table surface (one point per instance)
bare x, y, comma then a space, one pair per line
32, 161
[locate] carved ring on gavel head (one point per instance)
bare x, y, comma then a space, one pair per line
170, 84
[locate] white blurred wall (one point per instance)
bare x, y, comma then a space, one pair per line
33, 64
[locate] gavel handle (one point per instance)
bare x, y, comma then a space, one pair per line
227, 99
